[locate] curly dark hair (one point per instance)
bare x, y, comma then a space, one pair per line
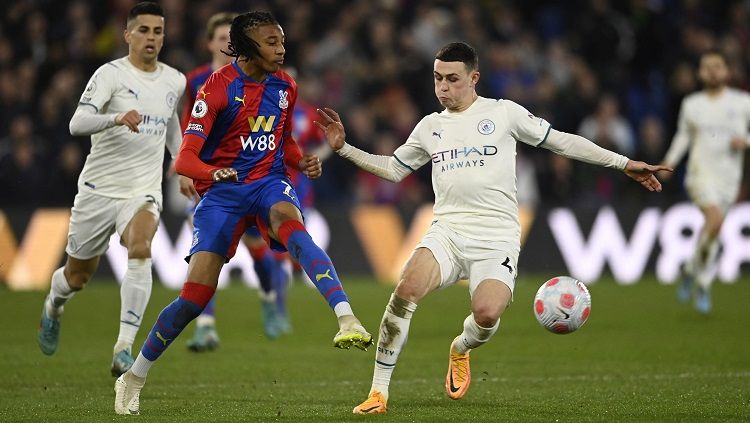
240, 44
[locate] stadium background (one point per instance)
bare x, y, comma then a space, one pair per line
613, 71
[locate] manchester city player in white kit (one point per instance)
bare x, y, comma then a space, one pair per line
475, 234
129, 108
713, 125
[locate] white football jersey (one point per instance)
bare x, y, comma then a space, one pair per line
473, 155
710, 123
123, 164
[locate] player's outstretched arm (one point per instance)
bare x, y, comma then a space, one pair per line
386, 167
645, 174
579, 148
330, 124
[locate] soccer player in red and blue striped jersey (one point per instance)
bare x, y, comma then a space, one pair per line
235, 148
270, 271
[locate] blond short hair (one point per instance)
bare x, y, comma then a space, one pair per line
217, 20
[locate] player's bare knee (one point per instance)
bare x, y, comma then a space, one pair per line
486, 315
407, 292
280, 213
78, 279
409, 289
139, 249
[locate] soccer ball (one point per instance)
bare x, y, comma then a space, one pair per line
562, 304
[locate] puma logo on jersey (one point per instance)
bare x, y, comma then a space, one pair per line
203, 93
438, 134
241, 100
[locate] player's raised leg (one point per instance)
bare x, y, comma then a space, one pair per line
135, 290
287, 227
66, 281
421, 275
489, 300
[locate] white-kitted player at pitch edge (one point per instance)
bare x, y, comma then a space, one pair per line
129, 108
713, 124
475, 234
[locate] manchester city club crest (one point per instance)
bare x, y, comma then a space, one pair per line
86, 97
171, 99
486, 127
283, 102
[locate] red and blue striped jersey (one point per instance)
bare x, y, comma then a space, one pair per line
195, 80
244, 123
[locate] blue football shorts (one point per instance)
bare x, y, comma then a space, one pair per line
227, 210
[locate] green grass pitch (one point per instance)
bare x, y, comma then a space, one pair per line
641, 357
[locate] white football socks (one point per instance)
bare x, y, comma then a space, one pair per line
704, 259
394, 330
141, 366
59, 293
135, 292
205, 320
706, 272
473, 335
343, 308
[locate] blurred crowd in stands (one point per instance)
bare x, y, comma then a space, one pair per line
612, 71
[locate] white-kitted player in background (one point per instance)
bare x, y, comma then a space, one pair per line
475, 234
129, 108
713, 125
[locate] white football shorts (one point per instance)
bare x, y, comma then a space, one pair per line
94, 218
460, 258
707, 193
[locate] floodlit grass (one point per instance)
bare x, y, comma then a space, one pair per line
641, 357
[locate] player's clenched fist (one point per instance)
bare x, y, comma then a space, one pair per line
131, 119
227, 174
310, 166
